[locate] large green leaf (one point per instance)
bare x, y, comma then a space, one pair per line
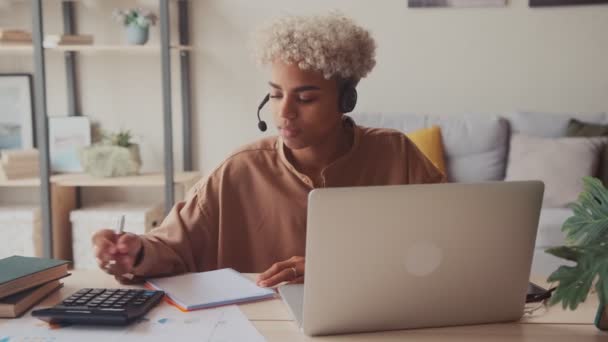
576, 281
565, 252
590, 220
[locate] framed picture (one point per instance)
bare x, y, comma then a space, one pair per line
456, 3
16, 111
542, 3
67, 136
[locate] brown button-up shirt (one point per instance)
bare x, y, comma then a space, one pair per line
251, 211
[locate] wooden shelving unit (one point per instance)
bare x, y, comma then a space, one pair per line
60, 193
143, 180
64, 188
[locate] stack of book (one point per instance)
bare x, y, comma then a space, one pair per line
53, 40
18, 164
15, 36
25, 281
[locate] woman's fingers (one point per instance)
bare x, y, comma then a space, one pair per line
287, 274
274, 269
290, 270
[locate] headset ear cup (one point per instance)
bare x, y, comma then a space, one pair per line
348, 99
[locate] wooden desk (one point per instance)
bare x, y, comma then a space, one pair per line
274, 322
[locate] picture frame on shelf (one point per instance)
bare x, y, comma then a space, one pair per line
456, 3
16, 111
67, 136
547, 3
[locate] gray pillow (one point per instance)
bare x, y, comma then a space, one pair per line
560, 163
553, 125
475, 146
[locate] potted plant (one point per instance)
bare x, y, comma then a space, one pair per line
116, 155
137, 22
587, 246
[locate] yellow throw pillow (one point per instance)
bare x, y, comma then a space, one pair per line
428, 140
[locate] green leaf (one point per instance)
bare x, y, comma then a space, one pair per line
590, 220
565, 252
587, 239
576, 281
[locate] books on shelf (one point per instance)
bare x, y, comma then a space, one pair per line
23, 155
52, 40
15, 36
19, 164
20, 273
16, 304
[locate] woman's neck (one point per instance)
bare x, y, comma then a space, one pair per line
312, 160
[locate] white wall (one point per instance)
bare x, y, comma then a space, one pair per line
441, 61
438, 61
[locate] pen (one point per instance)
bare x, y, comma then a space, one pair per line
118, 230
121, 225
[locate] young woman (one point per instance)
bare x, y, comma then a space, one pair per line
250, 213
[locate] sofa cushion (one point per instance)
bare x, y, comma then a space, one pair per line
577, 128
550, 235
560, 163
475, 145
428, 140
550, 227
548, 124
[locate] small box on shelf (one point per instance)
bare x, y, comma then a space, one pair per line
20, 231
86, 221
19, 164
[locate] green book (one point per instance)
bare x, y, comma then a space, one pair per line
16, 304
18, 273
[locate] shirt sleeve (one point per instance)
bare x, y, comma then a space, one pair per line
186, 240
420, 169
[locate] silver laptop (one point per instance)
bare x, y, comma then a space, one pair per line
414, 256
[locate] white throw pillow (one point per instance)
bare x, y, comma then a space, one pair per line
560, 163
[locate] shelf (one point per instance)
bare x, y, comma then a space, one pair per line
26, 48
81, 179
149, 179
15, 48
20, 183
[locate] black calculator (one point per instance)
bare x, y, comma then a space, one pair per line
101, 307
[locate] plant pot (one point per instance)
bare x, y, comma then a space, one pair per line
137, 35
601, 318
111, 160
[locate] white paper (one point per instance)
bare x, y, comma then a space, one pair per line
163, 323
211, 288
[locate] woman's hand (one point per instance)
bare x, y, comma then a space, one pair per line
116, 253
290, 270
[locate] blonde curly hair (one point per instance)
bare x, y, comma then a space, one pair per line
331, 44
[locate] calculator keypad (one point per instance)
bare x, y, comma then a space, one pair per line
108, 299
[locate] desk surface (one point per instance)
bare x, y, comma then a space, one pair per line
271, 318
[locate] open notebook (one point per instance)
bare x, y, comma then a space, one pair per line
202, 290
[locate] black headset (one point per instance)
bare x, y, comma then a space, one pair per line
347, 100
262, 123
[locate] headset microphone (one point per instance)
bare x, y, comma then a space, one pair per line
262, 123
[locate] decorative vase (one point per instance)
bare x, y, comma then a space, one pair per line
137, 35
111, 160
